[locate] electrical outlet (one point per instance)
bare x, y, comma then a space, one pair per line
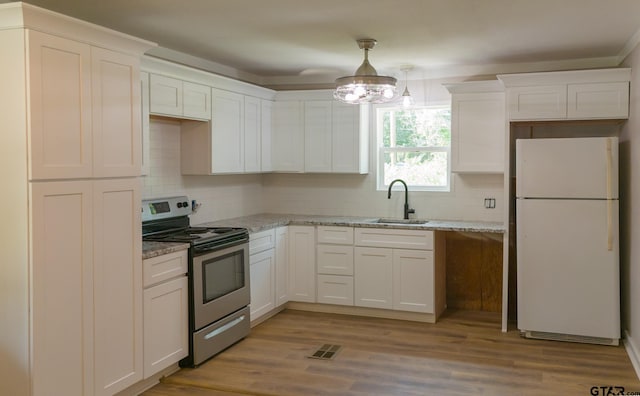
490, 203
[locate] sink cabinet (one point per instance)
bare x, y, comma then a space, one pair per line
395, 269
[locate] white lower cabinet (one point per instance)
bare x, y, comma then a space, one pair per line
166, 311
268, 271
282, 266
373, 280
302, 263
413, 280
335, 265
390, 276
335, 289
262, 280
87, 286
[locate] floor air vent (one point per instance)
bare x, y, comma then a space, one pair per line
326, 352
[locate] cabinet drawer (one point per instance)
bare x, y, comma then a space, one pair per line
337, 235
335, 289
161, 268
394, 238
261, 241
335, 259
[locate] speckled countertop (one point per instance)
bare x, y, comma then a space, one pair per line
260, 222
153, 249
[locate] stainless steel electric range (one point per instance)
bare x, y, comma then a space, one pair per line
218, 275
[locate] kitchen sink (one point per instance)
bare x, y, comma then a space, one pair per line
401, 221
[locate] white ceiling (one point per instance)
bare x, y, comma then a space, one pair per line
280, 42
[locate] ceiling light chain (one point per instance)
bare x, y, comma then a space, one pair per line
366, 86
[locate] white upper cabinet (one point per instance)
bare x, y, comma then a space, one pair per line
317, 136
84, 110
478, 127
568, 95
350, 138
252, 134
60, 107
227, 132
176, 98
314, 134
266, 128
144, 137
116, 112
287, 136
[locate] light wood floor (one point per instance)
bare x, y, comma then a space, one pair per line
465, 353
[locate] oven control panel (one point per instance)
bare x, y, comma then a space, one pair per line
162, 208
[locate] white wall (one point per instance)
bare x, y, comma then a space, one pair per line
630, 215
323, 194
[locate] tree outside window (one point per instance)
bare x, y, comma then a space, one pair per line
415, 145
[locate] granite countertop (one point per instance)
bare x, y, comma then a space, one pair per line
153, 249
266, 221
260, 222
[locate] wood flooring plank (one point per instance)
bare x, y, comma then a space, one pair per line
465, 353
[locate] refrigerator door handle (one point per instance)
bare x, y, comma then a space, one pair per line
609, 195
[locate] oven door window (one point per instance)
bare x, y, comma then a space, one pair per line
222, 275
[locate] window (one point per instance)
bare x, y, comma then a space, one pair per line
414, 145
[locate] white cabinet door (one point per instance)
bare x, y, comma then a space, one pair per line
166, 95
598, 100
266, 127
144, 98
252, 129
60, 107
262, 276
116, 114
196, 101
282, 267
335, 289
317, 136
261, 241
287, 137
166, 324
62, 282
542, 102
302, 268
373, 277
227, 132
478, 128
346, 140
117, 257
413, 280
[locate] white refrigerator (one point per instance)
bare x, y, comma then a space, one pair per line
568, 275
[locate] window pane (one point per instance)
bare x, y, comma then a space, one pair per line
416, 127
416, 168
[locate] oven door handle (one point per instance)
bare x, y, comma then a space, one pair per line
224, 328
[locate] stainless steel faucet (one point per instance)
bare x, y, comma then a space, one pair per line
406, 198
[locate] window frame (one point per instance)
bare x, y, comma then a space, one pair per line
381, 150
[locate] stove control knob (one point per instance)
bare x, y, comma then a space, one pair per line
185, 204
179, 204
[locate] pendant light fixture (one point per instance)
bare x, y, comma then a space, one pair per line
366, 86
407, 100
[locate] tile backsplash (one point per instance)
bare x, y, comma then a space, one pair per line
229, 196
